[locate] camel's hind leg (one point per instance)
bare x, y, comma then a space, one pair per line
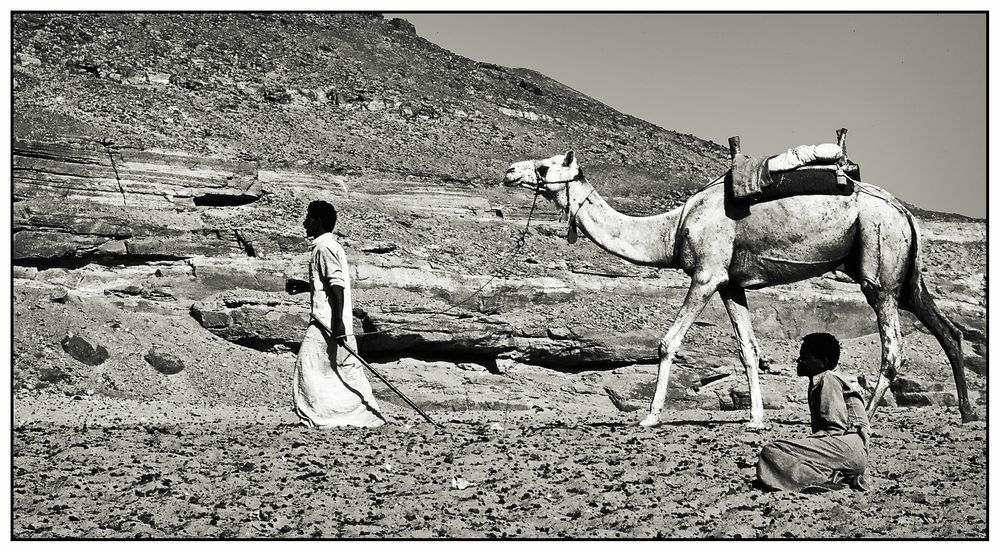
887, 314
950, 338
703, 285
735, 299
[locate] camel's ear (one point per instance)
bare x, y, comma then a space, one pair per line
569, 158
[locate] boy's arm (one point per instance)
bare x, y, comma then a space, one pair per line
830, 409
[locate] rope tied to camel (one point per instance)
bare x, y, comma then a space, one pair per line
519, 244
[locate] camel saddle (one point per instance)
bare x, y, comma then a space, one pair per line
804, 170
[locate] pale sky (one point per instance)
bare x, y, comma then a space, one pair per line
911, 88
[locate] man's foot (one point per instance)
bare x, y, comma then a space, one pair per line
650, 420
756, 425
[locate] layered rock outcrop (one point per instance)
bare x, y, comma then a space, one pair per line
174, 186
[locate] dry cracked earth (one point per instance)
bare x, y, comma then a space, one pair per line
99, 468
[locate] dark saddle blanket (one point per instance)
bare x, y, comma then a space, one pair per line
750, 181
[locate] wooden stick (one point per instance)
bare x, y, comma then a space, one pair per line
389, 384
329, 335
842, 142
734, 147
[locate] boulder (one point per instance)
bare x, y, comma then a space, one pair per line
59, 295
503, 365
926, 398
739, 399
560, 332
84, 349
277, 94
26, 59
620, 402
909, 385
403, 25
158, 78
164, 362
377, 247
24, 272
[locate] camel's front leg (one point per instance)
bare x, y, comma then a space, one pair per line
735, 299
703, 285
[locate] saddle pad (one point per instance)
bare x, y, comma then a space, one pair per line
810, 180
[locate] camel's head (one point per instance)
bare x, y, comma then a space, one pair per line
547, 176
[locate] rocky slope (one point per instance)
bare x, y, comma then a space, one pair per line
343, 93
162, 165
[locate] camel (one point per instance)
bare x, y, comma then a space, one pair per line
869, 235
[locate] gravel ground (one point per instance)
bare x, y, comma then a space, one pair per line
100, 468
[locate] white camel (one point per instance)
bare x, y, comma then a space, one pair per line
728, 250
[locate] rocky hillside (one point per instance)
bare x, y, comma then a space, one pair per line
339, 93
163, 162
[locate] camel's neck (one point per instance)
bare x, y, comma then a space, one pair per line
641, 240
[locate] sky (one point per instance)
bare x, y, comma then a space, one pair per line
910, 88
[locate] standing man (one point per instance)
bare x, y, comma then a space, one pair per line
330, 387
836, 454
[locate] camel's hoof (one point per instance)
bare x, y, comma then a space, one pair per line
650, 420
756, 426
970, 417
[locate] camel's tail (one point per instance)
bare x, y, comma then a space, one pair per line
916, 299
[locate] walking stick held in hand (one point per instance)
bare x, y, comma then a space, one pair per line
374, 372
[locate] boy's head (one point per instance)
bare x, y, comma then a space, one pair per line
321, 217
819, 352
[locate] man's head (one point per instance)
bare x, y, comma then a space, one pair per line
321, 217
819, 352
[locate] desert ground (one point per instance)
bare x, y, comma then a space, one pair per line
97, 468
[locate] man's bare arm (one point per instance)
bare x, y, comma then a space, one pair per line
336, 298
294, 286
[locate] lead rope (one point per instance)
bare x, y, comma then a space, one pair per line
571, 233
519, 244
517, 248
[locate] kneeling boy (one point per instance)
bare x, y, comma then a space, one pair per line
837, 451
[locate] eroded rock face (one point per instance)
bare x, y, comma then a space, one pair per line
82, 200
221, 240
256, 319
264, 320
154, 201
126, 176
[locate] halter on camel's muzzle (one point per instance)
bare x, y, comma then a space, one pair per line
540, 182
